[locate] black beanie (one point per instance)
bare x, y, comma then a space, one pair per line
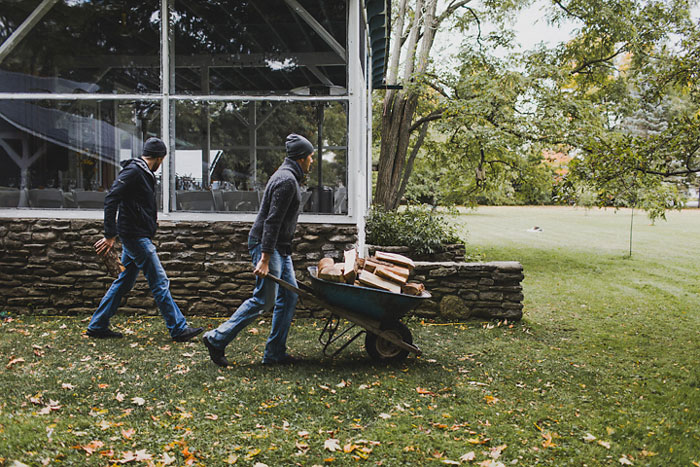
154, 147
298, 147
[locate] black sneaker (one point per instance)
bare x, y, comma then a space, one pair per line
104, 334
217, 355
187, 334
286, 360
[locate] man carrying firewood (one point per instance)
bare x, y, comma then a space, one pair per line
133, 194
270, 246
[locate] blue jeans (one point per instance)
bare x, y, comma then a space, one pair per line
266, 296
140, 254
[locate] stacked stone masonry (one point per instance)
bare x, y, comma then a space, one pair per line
48, 266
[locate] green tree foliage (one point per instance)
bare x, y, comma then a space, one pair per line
621, 98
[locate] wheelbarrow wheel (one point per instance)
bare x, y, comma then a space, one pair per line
381, 349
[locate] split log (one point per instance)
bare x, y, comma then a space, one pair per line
413, 289
332, 273
389, 273
324, 263
372, 280
395, 259
350, 267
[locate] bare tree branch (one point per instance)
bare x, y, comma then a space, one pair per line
587, 64
568, 12
435, 115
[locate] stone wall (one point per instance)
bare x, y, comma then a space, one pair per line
48, 266
462, 290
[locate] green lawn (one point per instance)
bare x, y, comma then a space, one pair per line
603, 370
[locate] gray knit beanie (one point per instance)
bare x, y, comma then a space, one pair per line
154, 147
298, 147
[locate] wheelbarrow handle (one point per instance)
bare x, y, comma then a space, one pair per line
302, 289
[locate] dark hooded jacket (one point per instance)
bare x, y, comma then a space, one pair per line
133, 193
279, 209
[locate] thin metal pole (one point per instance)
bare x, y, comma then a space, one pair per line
631, 224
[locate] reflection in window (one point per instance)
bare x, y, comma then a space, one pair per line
66, 154
260, 47
105, 47
226, 152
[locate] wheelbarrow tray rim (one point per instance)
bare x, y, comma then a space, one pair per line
373, 303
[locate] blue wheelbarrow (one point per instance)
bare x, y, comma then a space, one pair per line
377, 312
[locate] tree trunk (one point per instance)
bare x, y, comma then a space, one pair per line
399, 108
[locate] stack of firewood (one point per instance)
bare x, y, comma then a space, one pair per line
385, 271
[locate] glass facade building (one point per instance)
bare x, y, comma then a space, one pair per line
84, 82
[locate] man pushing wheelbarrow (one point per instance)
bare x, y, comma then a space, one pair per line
270, 246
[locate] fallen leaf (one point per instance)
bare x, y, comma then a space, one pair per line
138, 400
625, 461
14, 361
384, 416
103, 385
449, 462
127, 434
468, 457
478, 440
92, 446
303, 434
67, 386
605, 444
331, 444
495, 453
490, 400
211, 416
259, 464
167, 459
127, 457
231, 459
424, 392
646, 453
547, 443
589, 438
119, 397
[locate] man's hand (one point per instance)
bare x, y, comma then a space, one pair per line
262, 269
103, 245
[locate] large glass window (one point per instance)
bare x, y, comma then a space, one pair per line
260, 47
225, 153
92, 47
66, 154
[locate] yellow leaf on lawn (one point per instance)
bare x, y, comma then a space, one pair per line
605, 444
231, 459
252, 453
478, 441
547, 443
127, 434
490, 400
625, 461
468, 457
